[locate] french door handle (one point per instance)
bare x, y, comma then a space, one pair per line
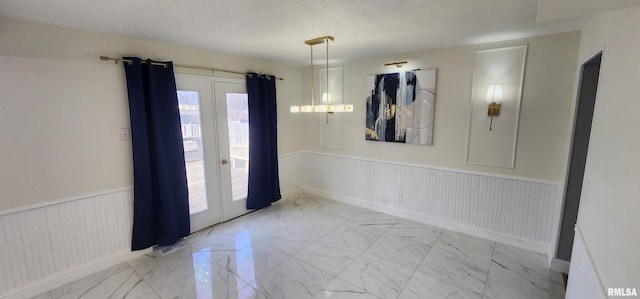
224, 161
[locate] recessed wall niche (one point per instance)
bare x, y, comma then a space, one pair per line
495, 106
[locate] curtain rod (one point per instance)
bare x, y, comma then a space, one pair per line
106, 58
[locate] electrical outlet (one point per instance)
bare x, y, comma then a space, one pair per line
125, 134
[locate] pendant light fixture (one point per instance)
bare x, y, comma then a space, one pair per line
326, 106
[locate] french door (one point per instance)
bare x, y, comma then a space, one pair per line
215, 127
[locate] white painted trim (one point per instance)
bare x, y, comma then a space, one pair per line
487, 174
289, 193
568, 150
519, 104
71, 275
559, 265
580, 238
509, 240
290, 154
555, 233
62, 200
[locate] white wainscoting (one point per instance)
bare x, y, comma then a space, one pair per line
46, 246
290, 173
39, 245
50, 244
511, 210
584, 281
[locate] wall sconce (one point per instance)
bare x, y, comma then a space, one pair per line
398, 64
494, 100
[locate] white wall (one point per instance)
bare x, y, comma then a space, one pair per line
51, 76
545, 108
519, 206
62, 108
609, 207
63, 165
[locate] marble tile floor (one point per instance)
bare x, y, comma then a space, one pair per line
311, 247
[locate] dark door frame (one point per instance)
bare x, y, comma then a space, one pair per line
581, 131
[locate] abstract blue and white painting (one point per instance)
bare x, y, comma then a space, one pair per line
400, 107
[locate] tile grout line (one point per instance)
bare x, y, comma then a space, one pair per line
250, 243
351, 262
358, 256
150, 287
330, 231
464, 254
302, 249
256, 279
372, 243
489, 271
289, 257
227, 269
191, 249
90, 285
415, 271
365, 250
421, 261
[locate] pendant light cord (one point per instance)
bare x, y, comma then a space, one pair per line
311, 66
328, 94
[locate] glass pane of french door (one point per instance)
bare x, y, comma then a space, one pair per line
189, 106
199, 136
238, 130
233, 144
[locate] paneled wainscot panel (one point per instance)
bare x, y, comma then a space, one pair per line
44, 241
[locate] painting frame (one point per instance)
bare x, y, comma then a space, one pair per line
400, 107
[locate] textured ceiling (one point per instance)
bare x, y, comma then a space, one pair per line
277, 29
554, 9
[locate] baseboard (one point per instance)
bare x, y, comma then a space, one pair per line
559, 265
291, 192
496, 237
71, 275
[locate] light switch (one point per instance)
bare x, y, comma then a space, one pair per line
125, 134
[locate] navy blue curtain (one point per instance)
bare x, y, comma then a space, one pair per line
264, 183
161, 199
